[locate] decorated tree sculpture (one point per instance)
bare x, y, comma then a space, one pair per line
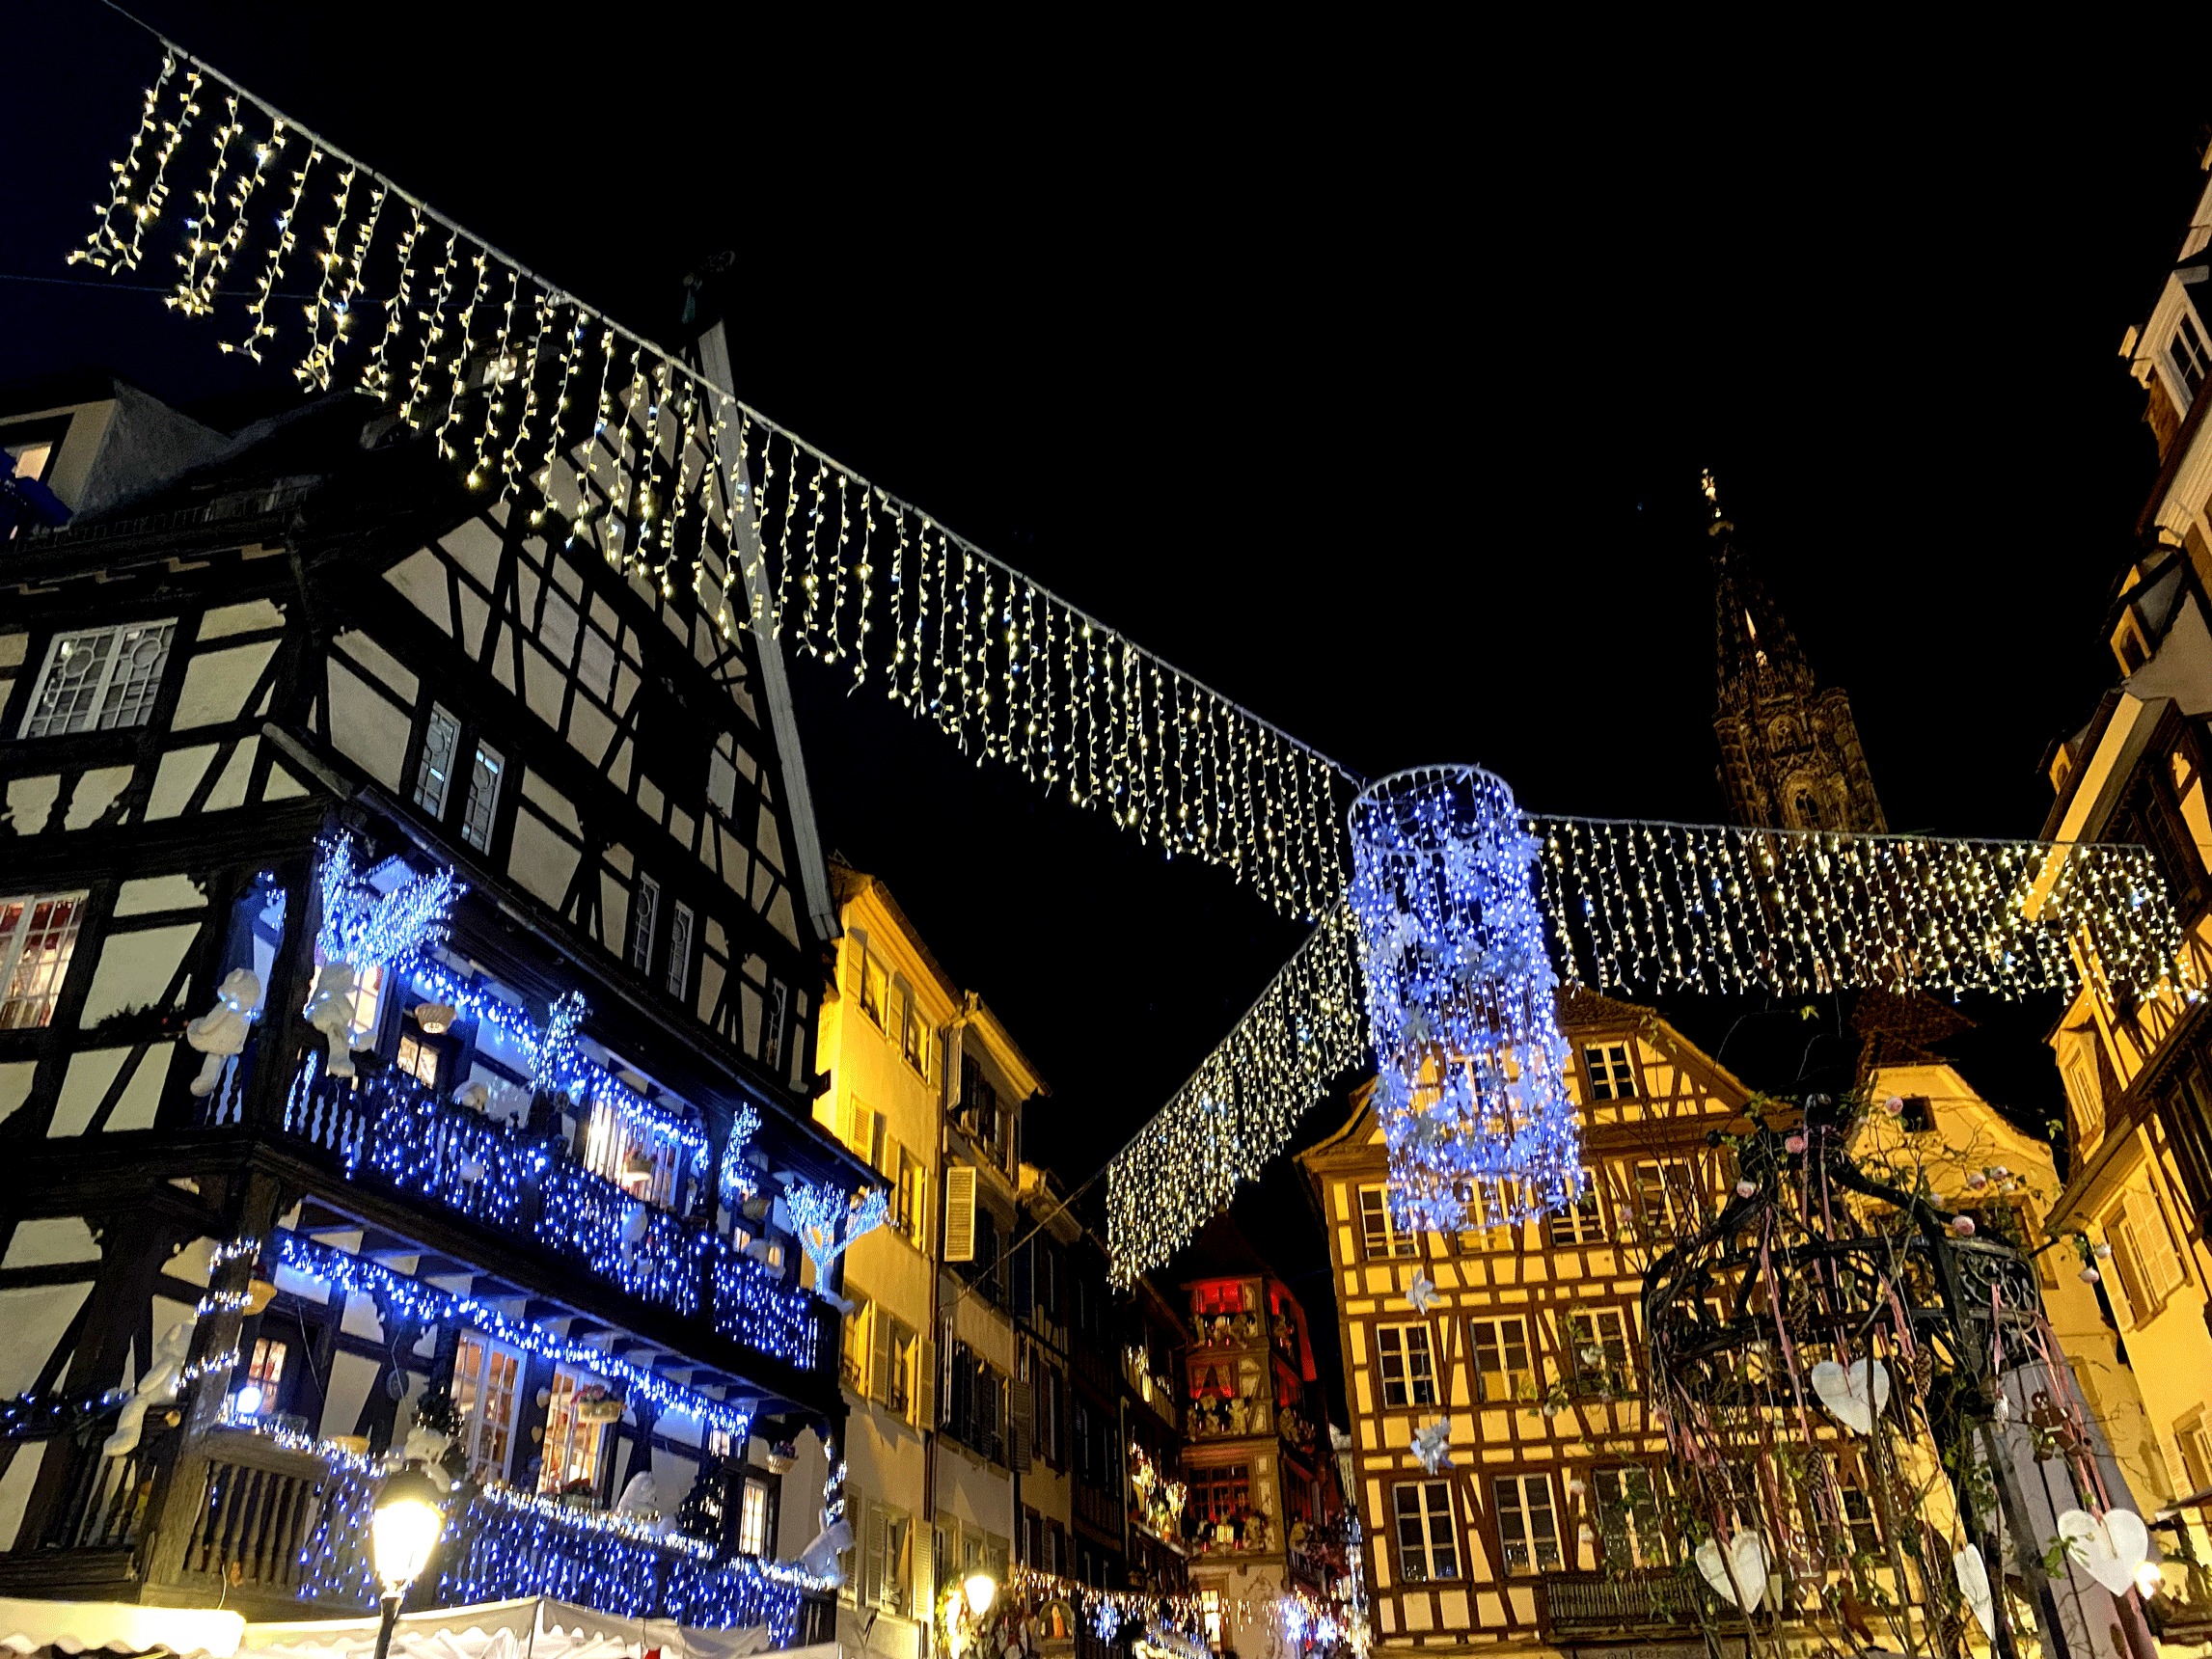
1874, 1433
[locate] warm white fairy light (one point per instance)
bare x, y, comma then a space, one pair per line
259, 327
123, 192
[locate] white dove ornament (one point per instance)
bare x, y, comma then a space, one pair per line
1974, 1584
1422, 1292
2108, 1547
1856, 1396
1746, 1564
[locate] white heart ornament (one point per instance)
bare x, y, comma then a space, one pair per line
1974, 1584
1854, 1397
1746, 1561
2108, 1547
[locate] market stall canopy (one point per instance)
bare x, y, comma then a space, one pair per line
29, 1629
534, 1627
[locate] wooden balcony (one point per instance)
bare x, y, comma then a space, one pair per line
1586, 1606
232, 1519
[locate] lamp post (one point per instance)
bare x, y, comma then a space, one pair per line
402, 1532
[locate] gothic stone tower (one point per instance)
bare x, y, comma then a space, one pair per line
1789, 752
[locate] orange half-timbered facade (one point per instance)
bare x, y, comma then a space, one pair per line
1545, 1529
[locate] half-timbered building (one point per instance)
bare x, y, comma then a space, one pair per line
1546, 1528
412, 940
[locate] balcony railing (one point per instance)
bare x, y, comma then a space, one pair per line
392, 1130
1590, 1604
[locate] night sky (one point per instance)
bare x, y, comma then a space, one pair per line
1368, 380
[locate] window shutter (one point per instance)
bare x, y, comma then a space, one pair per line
879, 1387
2161, 1265
1019, 1433
959, 1214
872, 1578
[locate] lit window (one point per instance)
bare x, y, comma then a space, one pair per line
98, 679
1502, 1370
679, 980
483, 804
1611, 1076
31, 459
2192, 361
1427, 1536
1666, 1196
1600, 1341
434, 774
368, 1002
1583, 1223
642, 1165
1402, 1354
257, 1395
418, 1059
1528, 1529
1629, 1517
486, 1377
644, 918
38, 936
1379, 1233
571, 1444
753, 1519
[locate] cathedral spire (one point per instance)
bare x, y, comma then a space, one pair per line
1789, 749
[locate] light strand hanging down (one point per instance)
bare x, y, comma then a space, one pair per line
1647, 908
1306, 1030
608, 438
1656, 908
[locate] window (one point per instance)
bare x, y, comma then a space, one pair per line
418, 1058
886, 1563
894, 1350
1629, 1517
1859, 1516
917, 1042
978, 1103
1918, 1117
369, 1002
434, 772
1502, 1370
1598, 1344
571, 1444
31, 459
98, 679
257, 1395
1528, 1530
1379, 1235
2192, 361
482, 809
1583, 1223
874, 992
1402, 1355
644, 919
1611, 1076
2143, 1249
1666, 1197
1222, 1492
752, 1519
679, 976
643, 1164
486, 1377
2196, 1447
909, 1200
38, 936
976, 1413
854, 1356
1427, 1536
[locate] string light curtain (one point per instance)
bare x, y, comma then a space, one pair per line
606, 438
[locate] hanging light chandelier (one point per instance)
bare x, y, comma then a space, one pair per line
1471, 1066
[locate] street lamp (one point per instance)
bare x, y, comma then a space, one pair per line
402, 1532
981, 1591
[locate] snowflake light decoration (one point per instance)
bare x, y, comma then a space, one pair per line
1470, 1064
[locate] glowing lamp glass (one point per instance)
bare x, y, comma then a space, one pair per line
404, 1529
981, 1591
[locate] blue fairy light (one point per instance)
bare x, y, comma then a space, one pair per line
1470, 1064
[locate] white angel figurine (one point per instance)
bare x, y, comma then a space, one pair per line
221, 1032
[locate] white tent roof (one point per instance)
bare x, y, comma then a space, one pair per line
27, 1627
534, 1627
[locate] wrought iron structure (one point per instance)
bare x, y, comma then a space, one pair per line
1870, 1420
